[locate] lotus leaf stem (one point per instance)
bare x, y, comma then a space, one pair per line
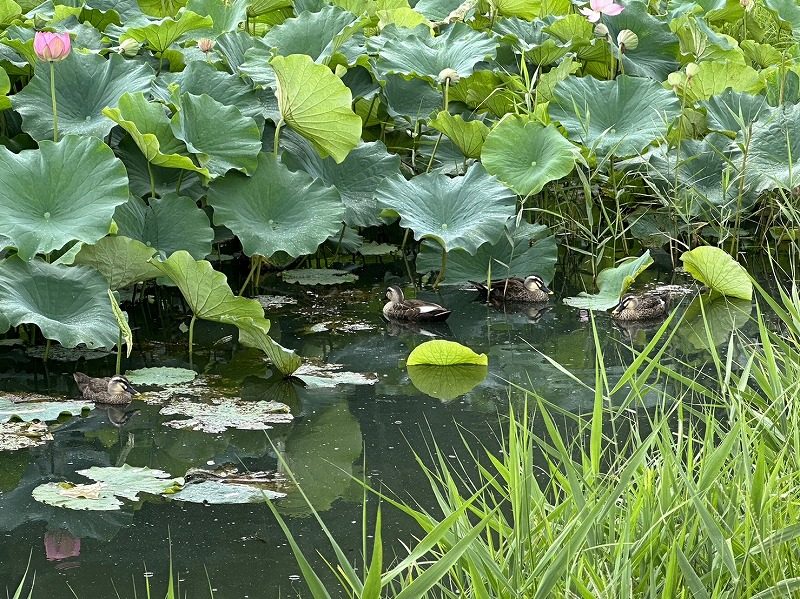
152, 180
47, 350
119, 353
254, 262
446, 102
53, 98
339, 244
191, 336
433, 154
440, 278
277, 137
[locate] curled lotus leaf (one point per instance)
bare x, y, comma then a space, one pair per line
160, 35
121, 260
612, 283
45, 206
319, 34
717, 269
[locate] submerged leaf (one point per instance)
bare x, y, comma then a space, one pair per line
445, 353
716, 269
214, 492
223, 414
612, 283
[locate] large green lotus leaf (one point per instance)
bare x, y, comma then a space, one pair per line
533, 251
121, 260
712, 319
227, 16
214, 492
68, 303
128, 481
233, 46
788, 11
730, 110
716, 269
148, 126
714, 77
708, 176
444, 353
77, 497
656, 55
255, 65
413, 99
5, 87
161, 376
206, 290
144, 175
525, 155
436, 10
460, 212
200, 77
254, 333
85, 85
529, 37
223, 414
459, 48
612, 283
620, 117
316, 104
467, 135
403, 16
61, 192
276, 209
220, 136
447, 382
318, 34
42, 411
160, 35
773, 159
356, 178
168, 224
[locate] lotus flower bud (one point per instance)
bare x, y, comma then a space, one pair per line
627, 40
676, 80
129, 47
601, 30
748, 5
692, 69
449, 74
206, 45
51, 46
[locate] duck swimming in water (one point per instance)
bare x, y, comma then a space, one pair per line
640, 307
531, 289
400, 308
115, 390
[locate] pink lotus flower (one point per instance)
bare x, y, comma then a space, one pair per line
51, 46
601, 7
61, 545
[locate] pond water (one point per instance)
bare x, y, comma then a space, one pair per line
337, 431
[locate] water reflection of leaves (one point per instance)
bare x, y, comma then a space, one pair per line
447, 382
720, 315
320, 452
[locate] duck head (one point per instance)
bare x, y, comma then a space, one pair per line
119, 385
628, 302
535, 283
394, 294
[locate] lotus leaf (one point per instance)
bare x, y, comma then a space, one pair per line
91, 497
160, 35
128, 481
330, 375
226, 16
206, 290
45, 206
411, 98
214, 492
730, 111
233, 46
620, 117
43, 411
715, 77
371, 248
253, 332
712, 319
255, 65
716, 269
79, 112
787, 10
318, 276
68, 304
461, 212
416, 53
168, 224
125, 333
612, 283
404, 16
656, 54
525, 155
774, 152
149, 126
444, 353
220, 136
160, 375
23, 435
5, 87
222, 414
356, 178
264, 211
121, 260
319, 34
469, 136
316, 104
447, 382
436, 10
533, 251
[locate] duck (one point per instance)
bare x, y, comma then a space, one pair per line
407, 310
115, 390
531, 289
646, 306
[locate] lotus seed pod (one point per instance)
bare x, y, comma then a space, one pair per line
601, 30
627, 40
206, 45
692, 69
129, 47
449, 74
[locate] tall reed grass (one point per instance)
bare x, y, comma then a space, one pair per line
700, 498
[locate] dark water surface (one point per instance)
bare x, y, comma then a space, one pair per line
336, 432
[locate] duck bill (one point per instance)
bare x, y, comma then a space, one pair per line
130, 389
617, 309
